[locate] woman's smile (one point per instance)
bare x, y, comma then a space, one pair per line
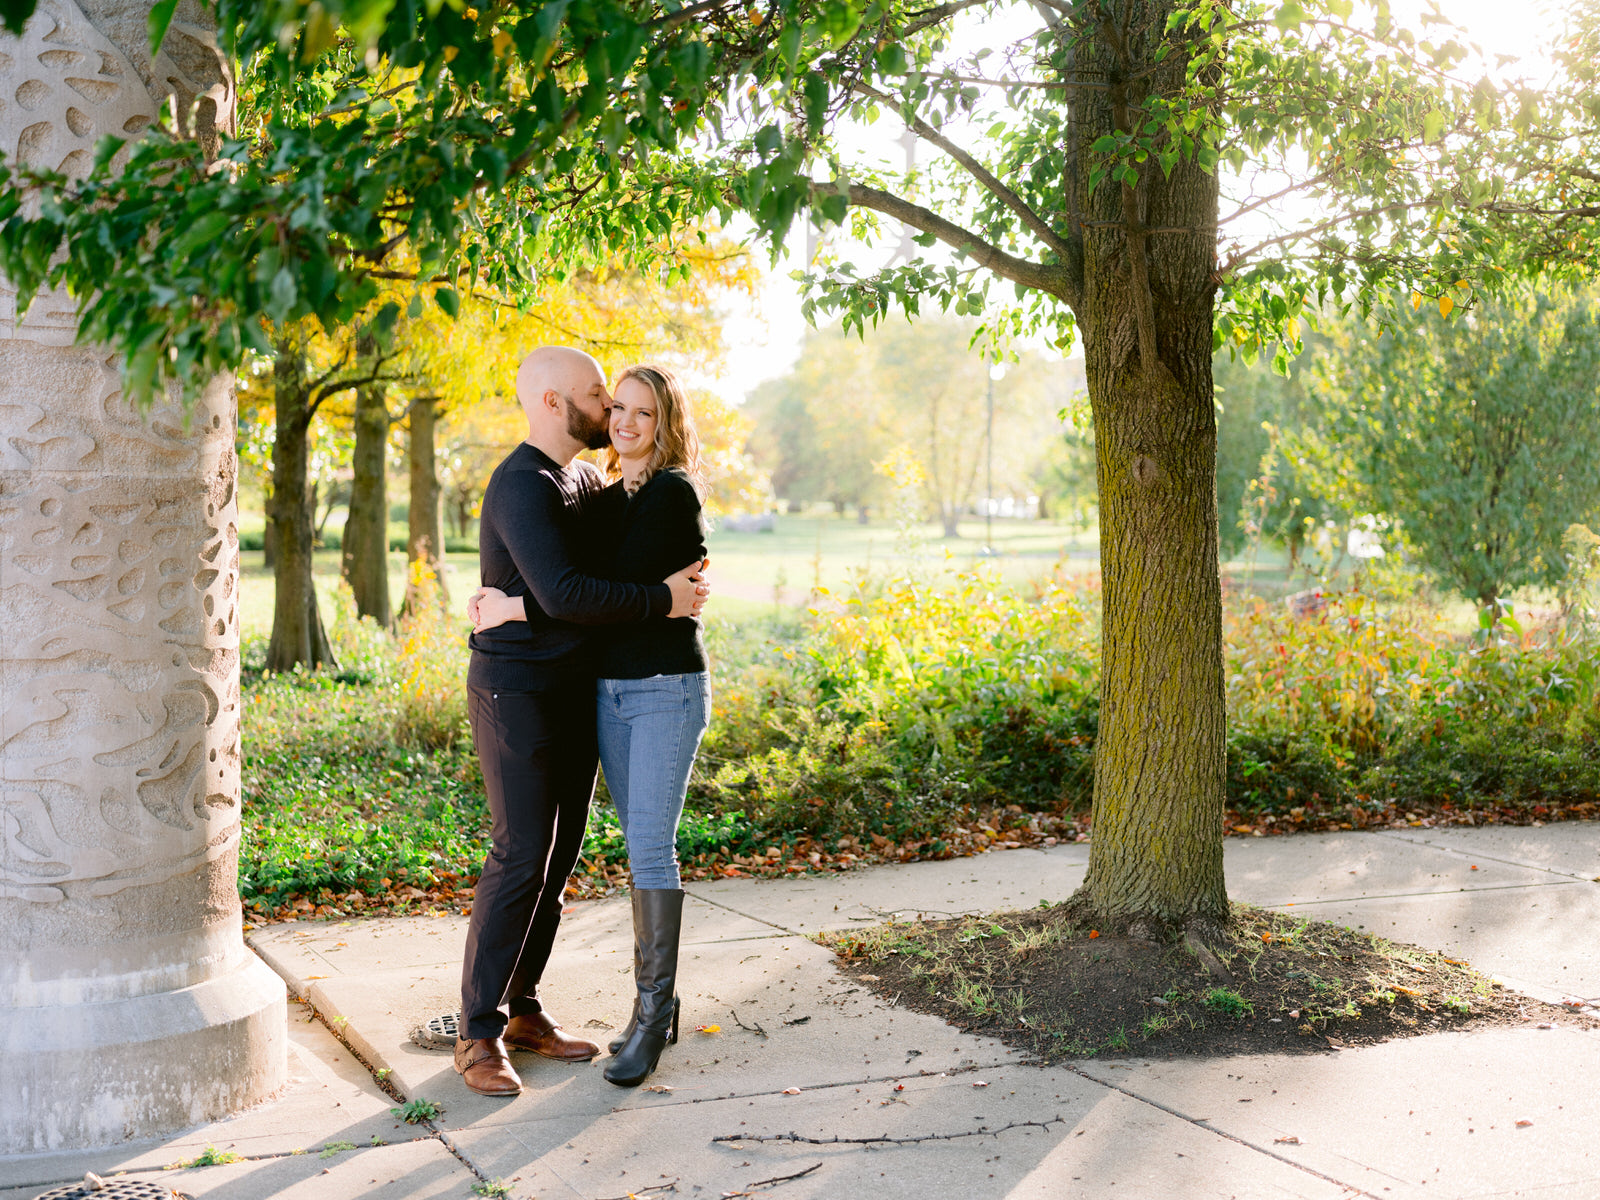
633, 420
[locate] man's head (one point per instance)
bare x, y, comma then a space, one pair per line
563, 393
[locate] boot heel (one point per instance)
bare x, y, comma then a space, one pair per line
672, 1036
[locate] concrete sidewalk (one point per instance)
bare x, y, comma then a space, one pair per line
800, 1049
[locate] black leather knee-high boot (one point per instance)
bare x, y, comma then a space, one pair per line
657, 923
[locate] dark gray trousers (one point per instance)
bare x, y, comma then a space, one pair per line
537, 752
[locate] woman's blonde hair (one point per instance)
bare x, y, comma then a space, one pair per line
676, 442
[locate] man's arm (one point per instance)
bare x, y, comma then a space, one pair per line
538, 539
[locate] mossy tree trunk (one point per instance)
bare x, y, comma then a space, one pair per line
425, 540
1145, 308
365, 552
298, 635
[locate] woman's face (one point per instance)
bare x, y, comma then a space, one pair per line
633, 420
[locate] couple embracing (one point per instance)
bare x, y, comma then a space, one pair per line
586, 645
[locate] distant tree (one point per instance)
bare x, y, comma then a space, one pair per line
850, 401
1260, 491
1480, 432
820, 428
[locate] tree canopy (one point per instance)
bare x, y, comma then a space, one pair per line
1482, 434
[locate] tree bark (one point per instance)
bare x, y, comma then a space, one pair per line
269, 540
365, 554
1156, 853
298, 636
425, 540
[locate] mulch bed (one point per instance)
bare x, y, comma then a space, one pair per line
1058, 990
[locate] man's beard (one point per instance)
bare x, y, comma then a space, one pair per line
596, 435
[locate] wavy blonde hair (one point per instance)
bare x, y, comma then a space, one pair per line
676, 442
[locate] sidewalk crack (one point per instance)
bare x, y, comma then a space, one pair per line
1201, 1123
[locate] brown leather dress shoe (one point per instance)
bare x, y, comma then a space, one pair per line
540, 1034
485, 1067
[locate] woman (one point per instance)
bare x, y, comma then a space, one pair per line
654, 694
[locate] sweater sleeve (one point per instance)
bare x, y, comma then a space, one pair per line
536, 538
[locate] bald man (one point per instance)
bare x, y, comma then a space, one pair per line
530, 699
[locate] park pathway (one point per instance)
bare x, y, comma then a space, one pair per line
800, 1049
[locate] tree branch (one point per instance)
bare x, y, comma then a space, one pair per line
932, 16
1060, 281
981, 173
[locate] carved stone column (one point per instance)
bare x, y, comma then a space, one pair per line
129, 1004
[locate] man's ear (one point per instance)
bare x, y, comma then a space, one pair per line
552, 399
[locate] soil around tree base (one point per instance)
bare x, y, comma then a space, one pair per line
1057, 990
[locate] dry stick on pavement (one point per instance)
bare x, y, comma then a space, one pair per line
885, 1140
750, 1188
670, 1186
748, 1028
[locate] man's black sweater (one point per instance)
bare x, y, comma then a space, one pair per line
657, 532
540, 537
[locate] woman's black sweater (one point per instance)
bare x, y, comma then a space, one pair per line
659, 530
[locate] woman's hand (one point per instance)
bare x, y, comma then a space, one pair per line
488, 607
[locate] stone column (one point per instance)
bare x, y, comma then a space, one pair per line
129, 1004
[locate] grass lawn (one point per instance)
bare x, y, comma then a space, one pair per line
754, 572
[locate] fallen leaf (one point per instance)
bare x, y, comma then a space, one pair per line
1523, 1124
1405, 991
658, 1087
1094, 933
1291, 1140
980, 1083
708, 1028
791, 1091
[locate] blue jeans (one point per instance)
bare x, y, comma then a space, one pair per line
649, 732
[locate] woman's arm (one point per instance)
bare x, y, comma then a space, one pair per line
489, 606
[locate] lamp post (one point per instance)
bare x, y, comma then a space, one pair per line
997, 372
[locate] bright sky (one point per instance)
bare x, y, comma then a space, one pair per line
764, 337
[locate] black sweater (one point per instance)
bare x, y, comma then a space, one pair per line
658, 531
541, 536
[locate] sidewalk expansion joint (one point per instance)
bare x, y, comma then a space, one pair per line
1400, 836
1461, 891
745, 915
1202, 1123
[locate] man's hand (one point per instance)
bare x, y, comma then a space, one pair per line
689, 590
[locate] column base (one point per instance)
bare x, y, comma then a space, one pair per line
95, 1074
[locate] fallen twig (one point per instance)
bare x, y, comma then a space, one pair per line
750, 1188
885, 1139
670, 1186
748, 1029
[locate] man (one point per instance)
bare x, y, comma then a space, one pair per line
530, 699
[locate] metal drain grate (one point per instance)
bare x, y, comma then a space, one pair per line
112, 1189
439, 1033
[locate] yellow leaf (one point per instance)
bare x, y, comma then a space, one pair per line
1416, 301
1445, 305
1293, 329
450, 53
502, 43
708, 1028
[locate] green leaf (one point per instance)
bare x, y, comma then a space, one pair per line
160, 17
1432, 124
1289, 16
447, 300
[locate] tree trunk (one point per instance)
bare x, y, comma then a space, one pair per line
365, 554
298, 636
425, 542
269, 540
1155, 857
